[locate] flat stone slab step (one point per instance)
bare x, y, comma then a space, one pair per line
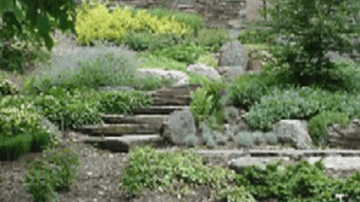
163, 110
116, 129
293, 154
124, 143
330, 162
155, 121
171, 100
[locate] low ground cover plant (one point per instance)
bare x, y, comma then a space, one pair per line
213, 39
56, 170
21, 132
147, 168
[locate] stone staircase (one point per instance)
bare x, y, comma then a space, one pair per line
119, 132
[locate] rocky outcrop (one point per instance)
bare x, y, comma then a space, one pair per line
348, 137
201, 69
178, 78
293, 132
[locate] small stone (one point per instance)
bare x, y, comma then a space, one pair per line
101, 193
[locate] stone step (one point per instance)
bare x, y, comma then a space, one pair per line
155, 121
163, 110
116, 129
185, 100
175, 92
124, 143
293, 154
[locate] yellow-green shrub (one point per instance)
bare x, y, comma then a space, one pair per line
97, 22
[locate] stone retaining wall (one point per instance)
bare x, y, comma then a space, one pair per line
219, 12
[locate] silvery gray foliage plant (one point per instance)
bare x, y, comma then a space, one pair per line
89, 67
244, 139
271, 138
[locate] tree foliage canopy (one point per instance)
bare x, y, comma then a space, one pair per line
35, 19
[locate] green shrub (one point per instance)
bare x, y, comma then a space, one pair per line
318, 125
114, 102
57, 170
7, 87
147, 168
193, 21
247, 90
271, 138
187, 53
191, 140
21, 132
207, 59
96, 22
235, 194
258, 137
294, 182
213, 39
152, 83
351, 187
145, 40
257, 36
311, 30
91, 68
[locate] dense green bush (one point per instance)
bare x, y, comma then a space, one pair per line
310, 30
295, 182
57, 170
92, 68
147, 168
21, 132
187, 53
257, 36
318, 125
246, 90
235, 194
145, 40
292, 103
7, 88
207, 59
213, 39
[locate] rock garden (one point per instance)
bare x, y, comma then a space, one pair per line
158, 105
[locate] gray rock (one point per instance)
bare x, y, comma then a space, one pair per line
232, 54
179, 125
239, 164
348, 137
177, 77
338, 162
201, 69
294, 132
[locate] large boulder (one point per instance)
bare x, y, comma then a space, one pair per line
179, 125
348, 137
201, 69
294, 132
232, 54
178, 78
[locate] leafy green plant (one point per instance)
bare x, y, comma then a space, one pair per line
145, 40
34, 21
7, 88
114, 102
152, 83
207, 59
208, 104
257, 36
213, 39
57, 170
235, 194
184, 52
92, 68
311, 29
318, 125
21, 132
247, 90
153, 169
160, 62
